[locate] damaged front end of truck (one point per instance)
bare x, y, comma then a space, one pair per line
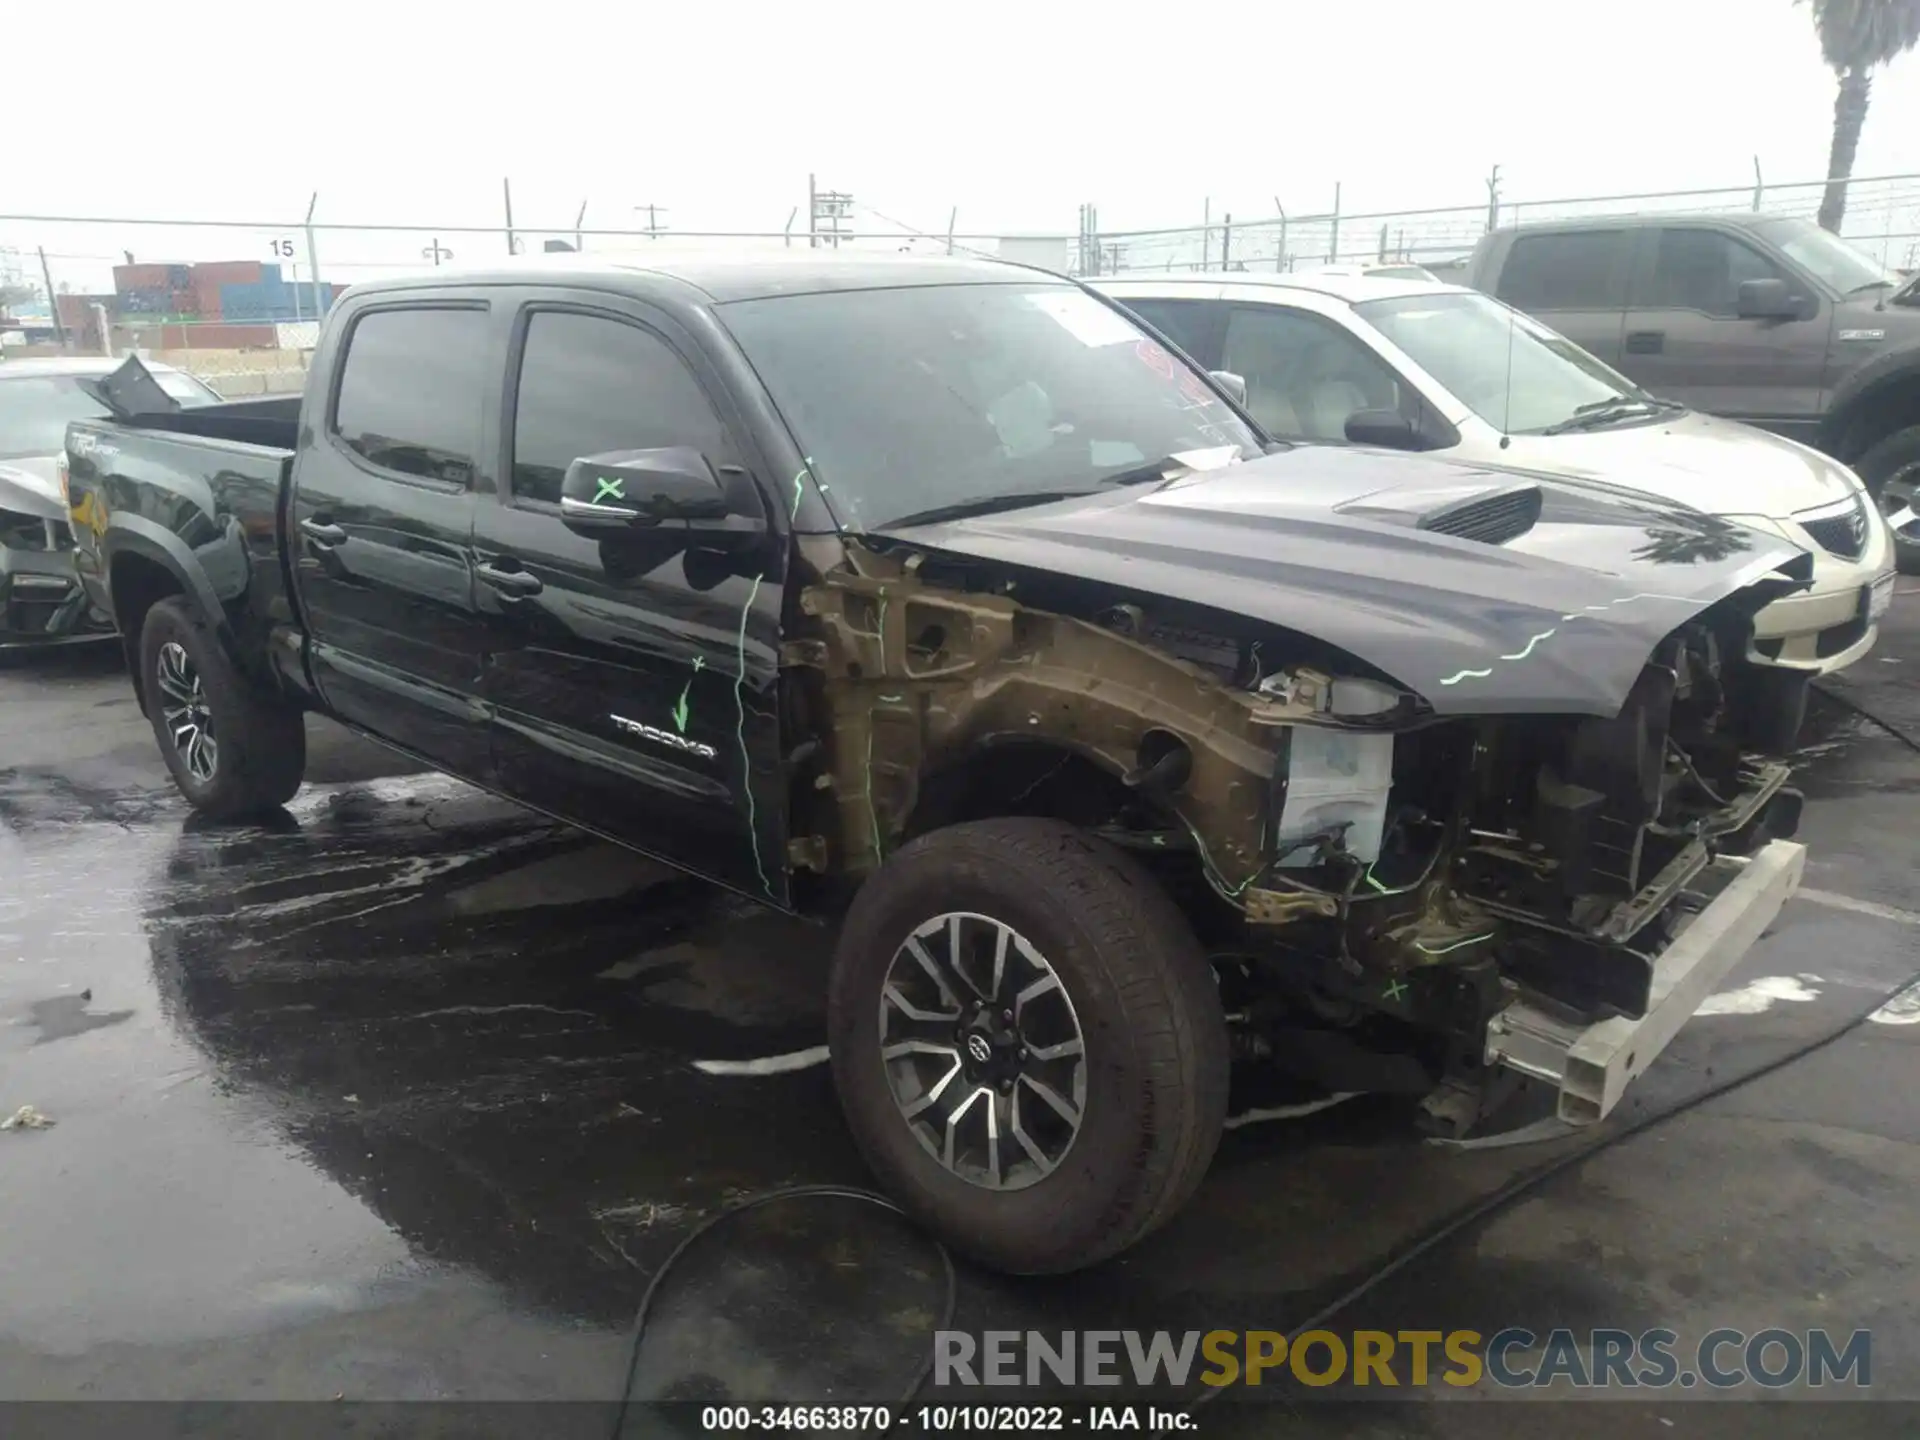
1444, 807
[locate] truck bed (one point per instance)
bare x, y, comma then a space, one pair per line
273, 422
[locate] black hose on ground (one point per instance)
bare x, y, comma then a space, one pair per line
791, 1192
1485, 1209
1865, 714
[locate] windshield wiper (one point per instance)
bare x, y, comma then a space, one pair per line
1610, 410
1873, 285
986, 505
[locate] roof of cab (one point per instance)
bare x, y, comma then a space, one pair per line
724, 276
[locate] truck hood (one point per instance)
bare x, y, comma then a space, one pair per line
1719, 466
1326, 541
31, 486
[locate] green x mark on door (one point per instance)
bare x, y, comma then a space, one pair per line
611, 488
1395, 990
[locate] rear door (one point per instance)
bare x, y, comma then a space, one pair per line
381, 526
632, 681
1574, 280
1685, 338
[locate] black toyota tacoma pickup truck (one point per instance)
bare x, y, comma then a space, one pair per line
941, 600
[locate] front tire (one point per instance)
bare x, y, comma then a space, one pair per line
1891, 473
234, 753
1028, 1043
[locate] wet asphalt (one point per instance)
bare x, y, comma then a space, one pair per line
409, 1096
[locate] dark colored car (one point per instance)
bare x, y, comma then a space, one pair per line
940, 599
1763, 318
41, 602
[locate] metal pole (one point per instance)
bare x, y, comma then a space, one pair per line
1759, 185
1493, 200
953, 217
787, 234
1226, 241
813, 214
1280, 252
1333, 240
579, 220
313, 260
53, 300
506, 194
1206, 231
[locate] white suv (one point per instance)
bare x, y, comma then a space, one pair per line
1413, 364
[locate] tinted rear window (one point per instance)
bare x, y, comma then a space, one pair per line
410, 393
1577, 270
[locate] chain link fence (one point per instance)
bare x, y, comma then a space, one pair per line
1883, 218
239, 304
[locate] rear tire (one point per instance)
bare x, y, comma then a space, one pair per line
1891, 471
233, 752
1132, 985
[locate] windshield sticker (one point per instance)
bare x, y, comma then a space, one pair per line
1084, 318
1155, 359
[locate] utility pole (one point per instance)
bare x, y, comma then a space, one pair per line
1226, 241
1493, 200
953, 217
53, 300
1280, 246
1206, 231
654, 212
830, 206
580, 220
506, 194
313, 258
1333, 242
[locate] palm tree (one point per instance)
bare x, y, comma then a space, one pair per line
1855, 37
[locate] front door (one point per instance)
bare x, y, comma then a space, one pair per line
632, 682
1685, 339
381, 530
1573, 280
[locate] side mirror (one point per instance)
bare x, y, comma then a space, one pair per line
1385, 429
1768, 300
639, 490
1234, 385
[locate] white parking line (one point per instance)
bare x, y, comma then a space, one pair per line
1858, 907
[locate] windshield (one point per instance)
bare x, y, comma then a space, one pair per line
35, 409
1511, 371
1826, 256
915, 399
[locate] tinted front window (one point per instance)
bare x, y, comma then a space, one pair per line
914, 399
1827, 256
410, 392
1576, 270
1512, 372
590, 386
1306, 377
1702, 270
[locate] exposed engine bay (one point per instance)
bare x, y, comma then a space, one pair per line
1348, 852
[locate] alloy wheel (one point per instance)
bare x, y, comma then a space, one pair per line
983, 1051
1899, 497
183, 704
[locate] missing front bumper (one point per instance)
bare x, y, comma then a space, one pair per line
1592, 1064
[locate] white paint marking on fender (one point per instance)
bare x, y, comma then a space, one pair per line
1902, 1009
1859, 907
1757, 996
1288, 1112
766, 1064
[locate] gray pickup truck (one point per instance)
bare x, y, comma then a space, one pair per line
1760, 318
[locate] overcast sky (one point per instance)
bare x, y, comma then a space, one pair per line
1014, 113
